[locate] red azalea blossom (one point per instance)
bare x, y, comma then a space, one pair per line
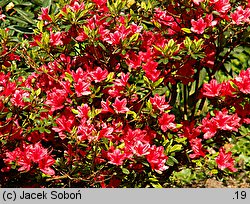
198, 26
64, 124
197, 2
29, 155
221, 6
141, 149
18, 98
56, 98
56, 39
83, 111
75, 6
157, 158
45, 15
106, 107
150, 69
226, 122
120, 105
197, 148
82, 88
243, 81
225, 160
158, 102
166, 122
99, 75
241, 16
116, 157
212, 89
208, 127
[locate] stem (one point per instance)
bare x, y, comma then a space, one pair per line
185, 101
173, 95
196, 92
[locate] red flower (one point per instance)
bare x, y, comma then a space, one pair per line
99, 75
38, 152
105, 107
123, 81
18, 98
197, 1
64, 124
150, 69
166, 122
159, 102
81, 36
222, 6
209, 20
120, 105
189, 131
45, 15
198, 26
75, 6
225, 160
79, 74
45, 163
197, 148
226, 122
212, 89
29, 155
243, 81
83, 111
116, 157
82, 88
133, 60
227, 89
56, 39
56, 98
141, 149
208, 127
157, 159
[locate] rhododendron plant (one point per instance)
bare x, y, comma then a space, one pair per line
125, 94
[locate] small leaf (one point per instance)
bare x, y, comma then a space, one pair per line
75, 111
21, 29
175, 148
46, 3
125, 171
186, 30
158, 82
156, 185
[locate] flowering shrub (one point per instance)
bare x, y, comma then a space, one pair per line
125, 94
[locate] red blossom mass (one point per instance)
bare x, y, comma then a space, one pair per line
225, 160
106, 93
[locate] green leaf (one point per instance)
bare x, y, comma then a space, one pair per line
173, 159
75, 111
38, 91
9, 115
46, 3
186, 30
156, 185
158, 82
176, 148
152, 179
21, 29
102, 46
25, 16
16, 19
134, 37
125, 171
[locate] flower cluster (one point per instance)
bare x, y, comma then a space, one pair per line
118, 93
